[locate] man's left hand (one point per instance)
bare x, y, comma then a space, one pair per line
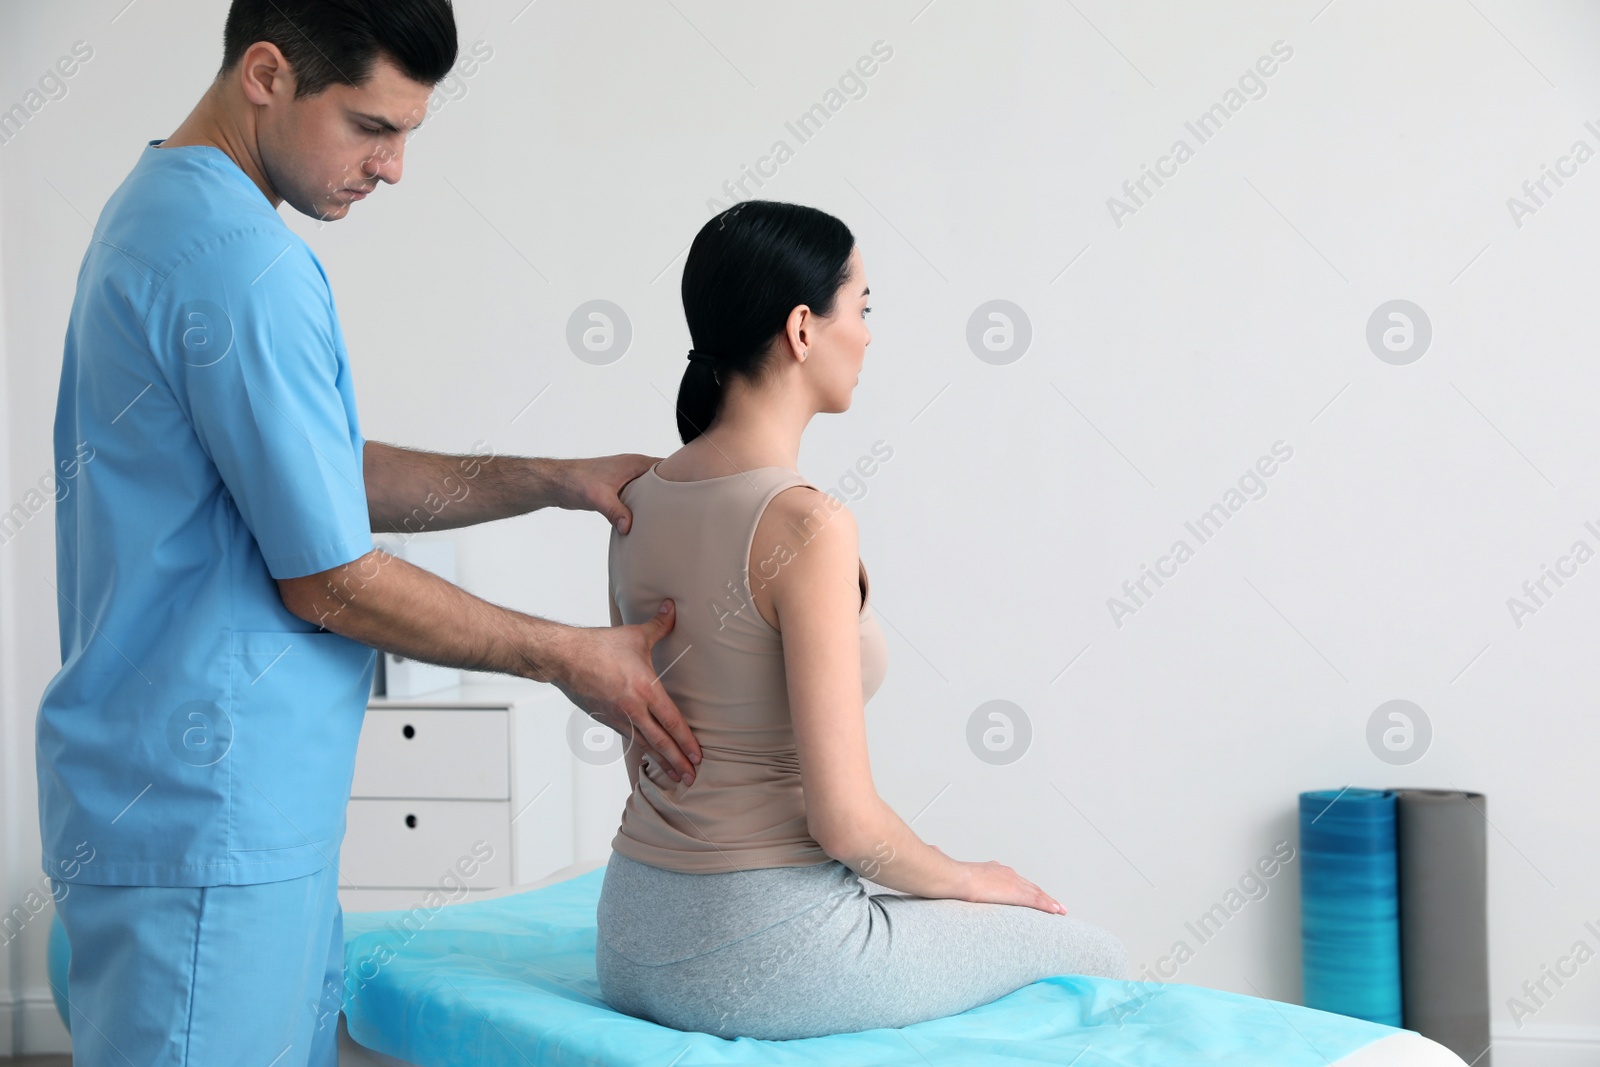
595, 485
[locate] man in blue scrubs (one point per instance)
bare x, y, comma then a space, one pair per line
219, 593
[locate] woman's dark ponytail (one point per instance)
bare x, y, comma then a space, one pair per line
748, 267
699, 397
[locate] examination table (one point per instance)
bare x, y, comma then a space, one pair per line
507, 979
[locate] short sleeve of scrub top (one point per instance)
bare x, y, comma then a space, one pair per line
198, 732
254, 343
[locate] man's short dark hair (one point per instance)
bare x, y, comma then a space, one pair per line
337, 41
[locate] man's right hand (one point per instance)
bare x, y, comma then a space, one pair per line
608, 673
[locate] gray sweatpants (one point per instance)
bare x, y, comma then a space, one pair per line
793, 952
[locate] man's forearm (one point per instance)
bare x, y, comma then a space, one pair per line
411, 492
389, 604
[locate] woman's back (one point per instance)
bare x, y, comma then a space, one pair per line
723, 666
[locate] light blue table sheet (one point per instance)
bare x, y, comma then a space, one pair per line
510, 982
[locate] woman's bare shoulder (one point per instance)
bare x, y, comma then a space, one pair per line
802, 513
804, 533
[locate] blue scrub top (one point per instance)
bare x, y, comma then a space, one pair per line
207, 443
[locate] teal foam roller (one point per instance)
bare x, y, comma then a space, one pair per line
1350, 903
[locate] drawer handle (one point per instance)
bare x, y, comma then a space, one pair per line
408, 731
411, 821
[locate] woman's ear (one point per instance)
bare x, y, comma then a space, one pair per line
798, 330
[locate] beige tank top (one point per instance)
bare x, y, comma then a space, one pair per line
722, 664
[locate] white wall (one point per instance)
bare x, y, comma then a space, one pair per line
14, 740
1228, 313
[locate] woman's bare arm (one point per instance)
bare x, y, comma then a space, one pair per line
817, 602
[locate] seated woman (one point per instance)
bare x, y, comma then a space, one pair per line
733, 902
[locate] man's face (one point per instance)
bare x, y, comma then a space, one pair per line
322, 152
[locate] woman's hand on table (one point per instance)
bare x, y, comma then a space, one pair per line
990, 882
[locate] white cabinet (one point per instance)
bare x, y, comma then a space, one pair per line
458, 792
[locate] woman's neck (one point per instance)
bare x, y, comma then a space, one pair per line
758, 428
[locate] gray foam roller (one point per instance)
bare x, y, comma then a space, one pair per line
1444, 918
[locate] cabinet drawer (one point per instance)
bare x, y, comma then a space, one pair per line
433, 752
426, 843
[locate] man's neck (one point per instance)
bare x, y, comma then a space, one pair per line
210, 123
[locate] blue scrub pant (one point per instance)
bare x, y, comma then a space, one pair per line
205, 977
